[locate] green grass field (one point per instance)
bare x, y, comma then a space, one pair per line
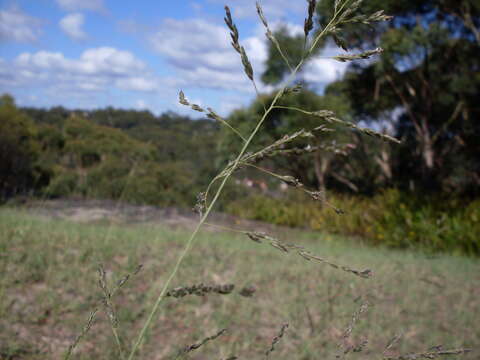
49, 286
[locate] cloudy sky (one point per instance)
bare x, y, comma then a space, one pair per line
138, 54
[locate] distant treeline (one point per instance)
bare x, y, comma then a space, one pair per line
118, 154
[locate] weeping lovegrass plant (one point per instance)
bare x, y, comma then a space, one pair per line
345, 11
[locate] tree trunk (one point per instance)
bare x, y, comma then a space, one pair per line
321, 163
384, 161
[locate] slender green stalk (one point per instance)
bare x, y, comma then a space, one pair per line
293, 108
119, 343
234, 130
204, 217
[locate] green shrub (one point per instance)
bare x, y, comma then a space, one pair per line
392, 219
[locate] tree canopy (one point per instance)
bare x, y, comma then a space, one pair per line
423, 87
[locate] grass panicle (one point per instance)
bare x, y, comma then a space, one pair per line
276, 340
195, 346
344, 347
91, 319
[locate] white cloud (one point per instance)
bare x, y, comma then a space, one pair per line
137, 83
324, 71
98, 69
273, 9
72, 26
17, 26
179, 40
140, 104
202, 54
75, 5
109, 60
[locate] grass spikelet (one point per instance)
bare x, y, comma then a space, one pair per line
308, 24
293, 89
366, 274
86, 328
233, 29
200, 206
367, 19
261, 15
102, 282
340, 41
356, 315
348, 332
200, 290
364, 55
430, 354
271, 150
183, 100
276, 339
109, 307
259, 237
330, 117
211, 114
247, 66
392, 343
247, 291
125, 278
198, 345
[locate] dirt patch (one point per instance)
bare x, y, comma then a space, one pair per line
112, 212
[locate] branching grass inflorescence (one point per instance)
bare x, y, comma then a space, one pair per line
342, 14
111, 314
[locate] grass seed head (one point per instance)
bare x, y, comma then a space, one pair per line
276, 339
308, 24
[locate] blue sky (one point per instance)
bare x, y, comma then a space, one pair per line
138, 54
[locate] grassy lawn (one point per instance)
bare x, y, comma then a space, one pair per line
49, 286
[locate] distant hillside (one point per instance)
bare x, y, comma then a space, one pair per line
108, 153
